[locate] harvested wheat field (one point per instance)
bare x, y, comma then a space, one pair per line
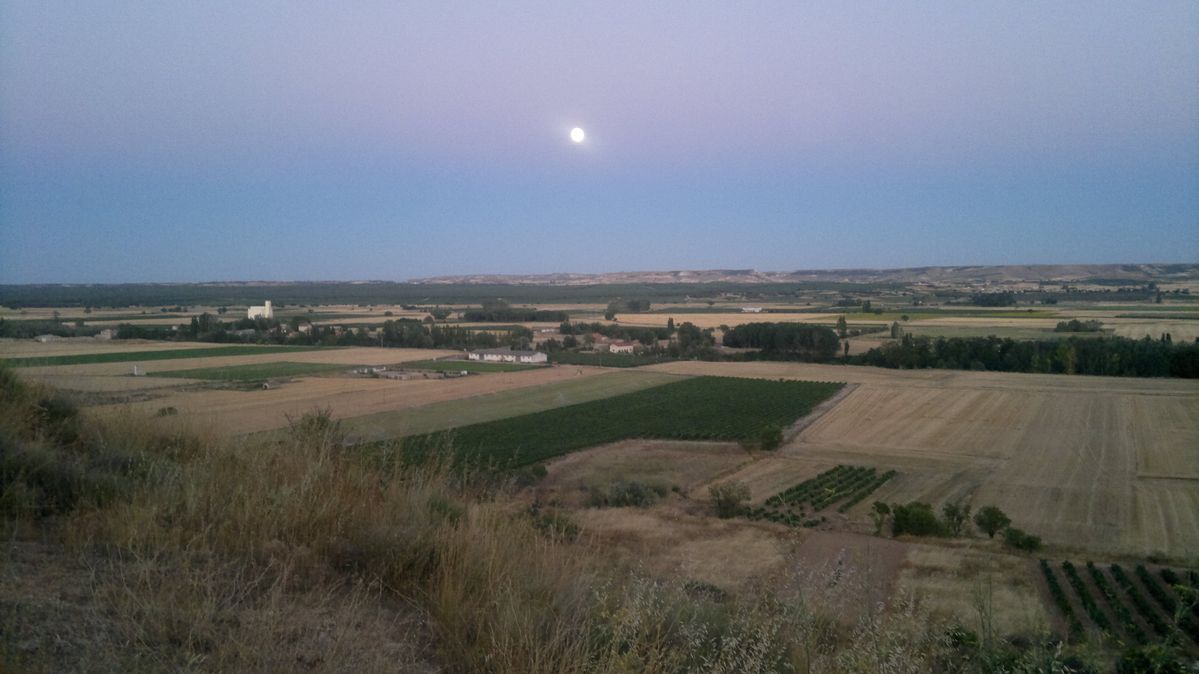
237, 411
1096, 463
662, 462
27, 348
340, 356
730, 319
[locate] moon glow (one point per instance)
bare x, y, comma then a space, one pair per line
577, 135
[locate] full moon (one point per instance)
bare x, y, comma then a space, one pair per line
577, 135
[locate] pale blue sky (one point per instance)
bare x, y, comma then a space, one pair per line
145, 141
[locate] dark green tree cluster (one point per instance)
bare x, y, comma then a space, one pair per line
1110, 356
645, 336
1075, 325
512, 315
797, 341
1003, 299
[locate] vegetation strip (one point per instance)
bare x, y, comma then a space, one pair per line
255, 371
700, 408
1059, 598
160, 354
468, 366
1131, 628
1138, 600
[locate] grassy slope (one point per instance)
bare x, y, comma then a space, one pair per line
503, 404
254, 371
701, 408
164, 354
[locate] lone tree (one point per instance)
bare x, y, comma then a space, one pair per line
770, 438
879, 516
728, 497
842, 327
956, 515
991, 520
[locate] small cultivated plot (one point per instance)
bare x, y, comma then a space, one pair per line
255, 371
701, 408
1138, 611
161, 354
468, 366
847, 485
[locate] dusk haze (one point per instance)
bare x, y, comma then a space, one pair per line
400, 140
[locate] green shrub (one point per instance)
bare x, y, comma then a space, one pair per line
1021, 540
623, 493
727, 498
991, 520
917, 519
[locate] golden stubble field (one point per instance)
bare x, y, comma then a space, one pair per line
234, 412
1098, 464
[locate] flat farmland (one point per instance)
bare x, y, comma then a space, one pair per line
234, 412
1102, 464
475, 409
27, 348
336, 356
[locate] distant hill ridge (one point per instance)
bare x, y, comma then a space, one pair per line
994, 273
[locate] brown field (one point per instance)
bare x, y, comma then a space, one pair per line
669, 463
1104, 464
237, 411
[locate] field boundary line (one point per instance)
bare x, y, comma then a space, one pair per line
792, 432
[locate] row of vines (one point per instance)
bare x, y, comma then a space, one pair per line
799, 505
1153, 608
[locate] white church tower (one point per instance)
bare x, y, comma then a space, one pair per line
264, 311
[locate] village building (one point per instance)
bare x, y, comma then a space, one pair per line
264, 311
751, 310
507, 356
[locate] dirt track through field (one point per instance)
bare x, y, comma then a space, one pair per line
1100, 463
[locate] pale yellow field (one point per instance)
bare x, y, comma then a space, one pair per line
348, 356
1105, 464
27, 348
237, 412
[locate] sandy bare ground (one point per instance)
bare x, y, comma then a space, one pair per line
236, 412
1104, 464
349, 356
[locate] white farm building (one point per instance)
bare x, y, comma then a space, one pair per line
622, 346
507, 356
264, 311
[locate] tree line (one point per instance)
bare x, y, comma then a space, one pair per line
1109, 356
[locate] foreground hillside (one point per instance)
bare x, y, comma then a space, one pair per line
135, 548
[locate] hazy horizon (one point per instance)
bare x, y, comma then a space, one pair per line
225, 142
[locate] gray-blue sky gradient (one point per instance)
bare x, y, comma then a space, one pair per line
210, 141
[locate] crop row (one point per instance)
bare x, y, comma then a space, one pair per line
1059, 598
1167, 601
1131, 628
1084, 596
842, 482
1187, 589
1141, 604
865, 491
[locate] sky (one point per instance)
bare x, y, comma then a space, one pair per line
209, 141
